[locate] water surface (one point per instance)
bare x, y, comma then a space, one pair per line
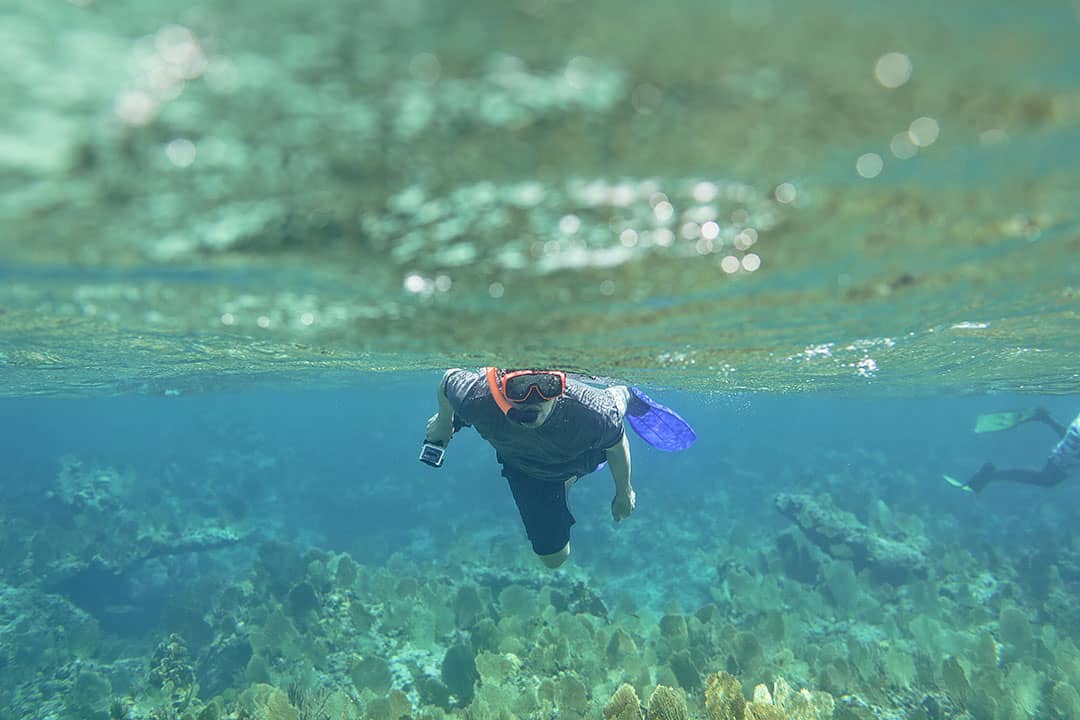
717, 196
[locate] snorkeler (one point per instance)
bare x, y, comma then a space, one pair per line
1064, 458
548, 430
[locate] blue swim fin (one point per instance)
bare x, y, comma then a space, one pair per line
658, 425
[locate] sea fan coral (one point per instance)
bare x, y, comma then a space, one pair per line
762, 711
667, 704
802, 705
723, 697
624, 705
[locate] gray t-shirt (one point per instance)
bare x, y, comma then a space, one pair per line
584, 422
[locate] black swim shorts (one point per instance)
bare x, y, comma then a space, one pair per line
543, 509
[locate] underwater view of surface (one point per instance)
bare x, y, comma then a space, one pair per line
240, 243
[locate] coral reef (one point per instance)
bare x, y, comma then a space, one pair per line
667, 704
283, 629
843, 537
172, 674
43, 640
126, 554
624, 705
724, 698
724, 701
372, 660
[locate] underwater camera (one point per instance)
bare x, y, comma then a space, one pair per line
432, 454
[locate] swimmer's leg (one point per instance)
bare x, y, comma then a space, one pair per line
1051, 474
557, 558
547, 519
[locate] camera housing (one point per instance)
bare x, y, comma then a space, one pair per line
432, 454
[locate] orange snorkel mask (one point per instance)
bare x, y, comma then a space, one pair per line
524, 386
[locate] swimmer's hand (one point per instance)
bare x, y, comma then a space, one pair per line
439, 429
623, 504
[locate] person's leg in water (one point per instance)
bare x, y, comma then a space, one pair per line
1048, 476
545, 514
557, 558
1053, 472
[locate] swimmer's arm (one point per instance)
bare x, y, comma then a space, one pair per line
618, 457
440, 427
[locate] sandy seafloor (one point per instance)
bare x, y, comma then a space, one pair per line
284, 555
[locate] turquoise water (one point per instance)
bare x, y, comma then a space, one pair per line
241, 241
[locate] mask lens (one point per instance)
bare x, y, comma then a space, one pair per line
547, 386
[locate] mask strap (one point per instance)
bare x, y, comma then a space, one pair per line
496, 392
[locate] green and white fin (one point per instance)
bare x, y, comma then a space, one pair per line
957, 484
995, 422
